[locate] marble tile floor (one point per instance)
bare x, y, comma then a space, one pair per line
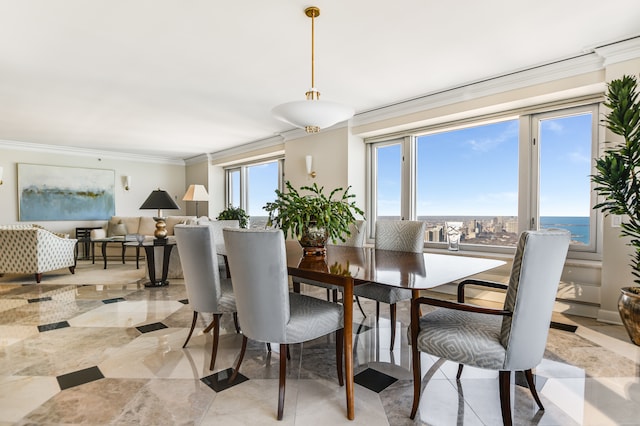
112, 354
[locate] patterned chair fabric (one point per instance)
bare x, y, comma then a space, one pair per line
512, 339
27, 249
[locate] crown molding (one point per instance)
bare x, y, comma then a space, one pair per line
202, 158
241, 149
619, 52
570, 67
85, 152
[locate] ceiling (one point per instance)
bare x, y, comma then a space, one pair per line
179, 78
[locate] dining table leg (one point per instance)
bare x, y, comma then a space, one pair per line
348, 345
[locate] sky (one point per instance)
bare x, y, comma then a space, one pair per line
474, 171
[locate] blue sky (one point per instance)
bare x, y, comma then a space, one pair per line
474, 171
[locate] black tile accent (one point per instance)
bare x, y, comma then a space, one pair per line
220, 380
184, 301
53, 326
521, 380
563, 327
374, 380
114, 300
151, 327
39, 299
79, 377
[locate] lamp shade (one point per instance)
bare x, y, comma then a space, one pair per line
160, 200
196, 193
312, 114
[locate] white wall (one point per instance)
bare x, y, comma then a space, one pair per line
145, 177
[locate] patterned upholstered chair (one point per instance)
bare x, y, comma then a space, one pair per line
266, 310
394, 235
356, 239
509, 339
26, 249
206, 291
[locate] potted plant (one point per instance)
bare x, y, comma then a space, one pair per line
314, 217
234, 213
617, 180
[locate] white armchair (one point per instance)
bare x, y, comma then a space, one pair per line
25, 249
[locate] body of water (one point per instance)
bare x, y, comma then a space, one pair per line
577, 225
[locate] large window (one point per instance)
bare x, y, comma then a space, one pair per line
495, 178
251, 186
469, 176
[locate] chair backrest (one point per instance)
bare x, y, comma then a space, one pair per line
356, 239
218, 226
535, 275
400, 235
196, 245
258, 263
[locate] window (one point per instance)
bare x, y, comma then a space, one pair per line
251, 186
565, 148
498, 178
453, 183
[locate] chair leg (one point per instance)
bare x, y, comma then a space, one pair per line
392, 310
339, 351
360, 306
214, 345
268, 347
72, 269
296, 286
193, 325
459, 371
377, 311
235, 322
532, 387
334, 294
38, 278
283, 379
242, 351
417, 376
329, 295
505, 396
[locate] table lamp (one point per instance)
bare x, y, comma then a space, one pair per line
160, 200
196, 193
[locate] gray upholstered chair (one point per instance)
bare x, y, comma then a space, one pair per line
509, 339
218, 236
206, 291
394, 235
267, 311
355, 239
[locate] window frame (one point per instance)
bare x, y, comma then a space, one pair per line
528, 169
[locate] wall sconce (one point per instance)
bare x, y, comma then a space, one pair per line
1, 170
309, 162
127, 182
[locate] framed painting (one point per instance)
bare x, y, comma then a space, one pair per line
65, 193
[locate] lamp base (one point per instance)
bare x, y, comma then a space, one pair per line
161, 228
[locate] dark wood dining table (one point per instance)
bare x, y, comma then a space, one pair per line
351, 266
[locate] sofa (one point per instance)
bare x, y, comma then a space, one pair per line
31, 249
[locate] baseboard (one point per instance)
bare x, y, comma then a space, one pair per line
610, 317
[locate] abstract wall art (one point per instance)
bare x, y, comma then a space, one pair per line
48, 193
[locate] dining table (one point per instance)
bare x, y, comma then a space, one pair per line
348, 267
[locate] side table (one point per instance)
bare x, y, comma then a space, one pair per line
83, 235
150, 246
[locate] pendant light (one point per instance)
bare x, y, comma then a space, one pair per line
312, 114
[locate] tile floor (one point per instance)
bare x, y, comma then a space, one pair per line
112, 354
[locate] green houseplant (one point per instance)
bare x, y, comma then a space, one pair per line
617, 181
234, 213
314, 217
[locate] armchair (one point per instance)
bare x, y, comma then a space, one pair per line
509, 339
34, 250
